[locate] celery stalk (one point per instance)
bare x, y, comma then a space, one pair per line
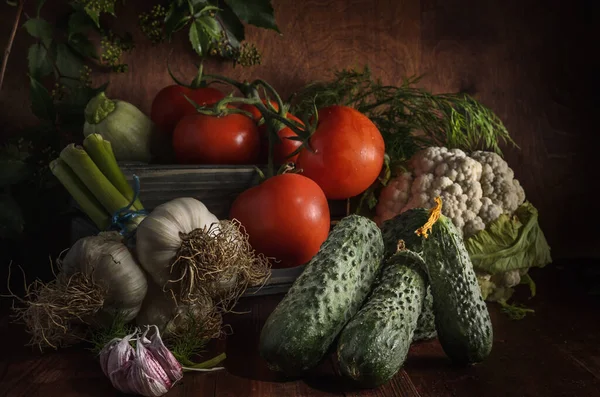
100, 150
91, 176
81, 194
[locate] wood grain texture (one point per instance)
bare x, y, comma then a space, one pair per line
526, 60
554, 353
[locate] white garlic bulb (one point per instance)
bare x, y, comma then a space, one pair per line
158, 235
162, 310
109, 263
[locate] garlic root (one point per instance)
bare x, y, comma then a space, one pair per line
54, 314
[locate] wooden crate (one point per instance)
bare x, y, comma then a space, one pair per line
216, 186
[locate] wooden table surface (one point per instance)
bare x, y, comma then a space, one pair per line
555, 352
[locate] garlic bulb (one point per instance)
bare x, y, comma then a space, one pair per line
158, 236
148, 370
110, 264
171, 317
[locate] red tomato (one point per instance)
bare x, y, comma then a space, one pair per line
282, 149
202, 139
169, 105
348, 153
286, 217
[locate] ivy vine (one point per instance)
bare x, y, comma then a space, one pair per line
85, 40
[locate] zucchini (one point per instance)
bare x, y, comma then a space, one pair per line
462, 319
374, 344
330, 290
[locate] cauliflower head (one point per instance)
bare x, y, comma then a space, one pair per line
475, 189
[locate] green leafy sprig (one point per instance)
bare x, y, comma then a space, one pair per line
408, 117
214, 28
65, 56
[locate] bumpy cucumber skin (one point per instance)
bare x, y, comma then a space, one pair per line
330, 290
426, 325
402, 227
462, 319
374, 344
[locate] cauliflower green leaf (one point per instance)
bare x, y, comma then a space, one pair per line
510, 242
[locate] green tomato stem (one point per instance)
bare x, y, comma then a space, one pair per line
178, 82
208, 364
198, 82
240, 86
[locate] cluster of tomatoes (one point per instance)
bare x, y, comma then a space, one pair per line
286, 216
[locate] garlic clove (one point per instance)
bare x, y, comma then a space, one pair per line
105, 354
165, 358
121, 354
148, 376
122, 379
115, 353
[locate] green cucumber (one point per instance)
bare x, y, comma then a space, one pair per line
374, 344
426, 324
402, 227
331, 289
462, 319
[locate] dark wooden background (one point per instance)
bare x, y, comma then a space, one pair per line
530, 61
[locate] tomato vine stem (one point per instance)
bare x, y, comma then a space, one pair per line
275, 119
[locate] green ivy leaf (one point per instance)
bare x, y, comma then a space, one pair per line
80, 22
197, 5
176, 19
39, 63
199, 38
83, 46
69, 64
94, 15
40, 29
258, 13
13, 170
41, 101
38, 7
209, 25
12, 3
234, 28
11, 217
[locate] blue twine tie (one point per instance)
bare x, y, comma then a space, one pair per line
122, 216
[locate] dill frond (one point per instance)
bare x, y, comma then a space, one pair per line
409, 118
100, 336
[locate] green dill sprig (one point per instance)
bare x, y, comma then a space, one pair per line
189, 341
409, 118
100, 336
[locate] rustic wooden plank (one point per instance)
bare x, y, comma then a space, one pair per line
553, 353
247, 373
541, 355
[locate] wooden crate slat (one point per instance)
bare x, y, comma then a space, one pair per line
217, 188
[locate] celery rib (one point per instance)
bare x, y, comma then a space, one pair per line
91, 176
80, 193
101, 153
